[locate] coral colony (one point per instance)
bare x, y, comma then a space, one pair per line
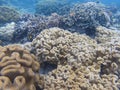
77, 48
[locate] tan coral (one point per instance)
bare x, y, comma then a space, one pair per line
19, 70
108, 50
78, 77
104, 35
60, 46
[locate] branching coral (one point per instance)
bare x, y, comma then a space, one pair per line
19, 70
78, 77
8, 14
56, 45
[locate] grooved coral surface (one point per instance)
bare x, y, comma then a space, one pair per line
78, 77
56, 46
108, 50
104, 35
19, 70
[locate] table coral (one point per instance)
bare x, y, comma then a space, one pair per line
59, 46
19, 70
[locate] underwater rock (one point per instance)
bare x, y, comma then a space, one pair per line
47, 7
6, 33
8, 14
19, 70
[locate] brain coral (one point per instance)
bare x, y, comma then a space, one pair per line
19, 70
56, 45
78, 77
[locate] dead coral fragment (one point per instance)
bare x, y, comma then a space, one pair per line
19, 70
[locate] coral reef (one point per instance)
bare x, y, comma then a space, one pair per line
47, 7
103, 34
84, 64
87, 16
31, 25
56, 45
108, 50
6, 33
19, 70
51, 56
78, 77
8, 14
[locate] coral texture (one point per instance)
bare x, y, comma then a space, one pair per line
31, 25
108, 50
104, 35
87, 16
78, 77
60, 46
19, 70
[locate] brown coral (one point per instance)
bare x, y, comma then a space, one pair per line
56, 45
104, 34
108, 50
19, 70
78, 77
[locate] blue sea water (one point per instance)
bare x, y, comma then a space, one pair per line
28, 6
